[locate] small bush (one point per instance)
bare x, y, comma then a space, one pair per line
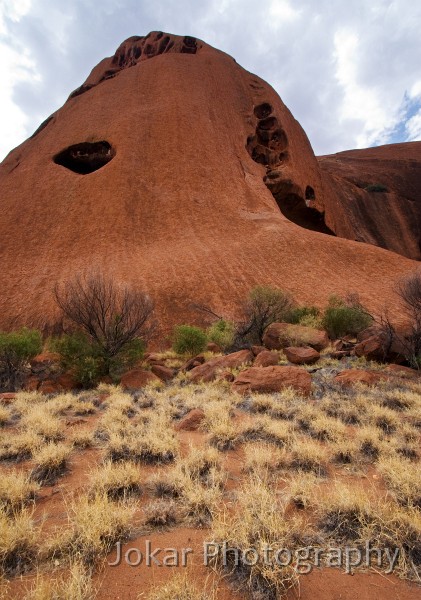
113, 317
80, 355
188, 339
16, 349
343, 317
87, 361
302, 313
222, 333
264, 306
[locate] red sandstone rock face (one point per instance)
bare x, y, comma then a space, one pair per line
169, 169
352, 376
272, 379
389, 219
302, 355
209, 370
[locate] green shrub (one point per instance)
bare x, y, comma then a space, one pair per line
222, 333
345, 317
80, 355
302, 313
188, 339
264, 305
113, 316
16, 349
87, 361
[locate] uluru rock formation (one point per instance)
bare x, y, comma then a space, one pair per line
175, 169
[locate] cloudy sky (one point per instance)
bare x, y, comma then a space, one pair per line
349, 70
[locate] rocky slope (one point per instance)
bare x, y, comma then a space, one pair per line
376, 196
176, 170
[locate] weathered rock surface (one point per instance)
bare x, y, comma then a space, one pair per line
266, 358
209, 370
44, 362
272, 379
191, 421
137, 378
301, 355
402, 371
352, 376
357, 209
280, 335
170, 130
212, 347
164, 373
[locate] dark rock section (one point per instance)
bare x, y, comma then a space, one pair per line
269, 147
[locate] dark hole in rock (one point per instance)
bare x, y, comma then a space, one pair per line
170, 45
137, 52
81, 90
310, 195
109, 74
149, 49
279, 139
85, 157
190, 41
263, 110
294, 208
159, 35
190, 45
268, 124
163, 45
264, 156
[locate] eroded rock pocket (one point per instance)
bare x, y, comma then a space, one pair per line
86, 157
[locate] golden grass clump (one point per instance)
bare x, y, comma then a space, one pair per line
76, 585
300, 490
4, 415
201, 465
263, 458
18, 541
384, 418
258, 523
309, 456
20, 446
40, 421
403, 478
161, 513
16, 490
265, 429
179, 587
370, 442
51, 462
344, 512
152, 443
327, 429
116, 480
96, 524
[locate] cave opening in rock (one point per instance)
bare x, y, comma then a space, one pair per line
86, 157
295, 209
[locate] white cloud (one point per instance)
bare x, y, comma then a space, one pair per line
16, 67
281, 11
413, 127
12, 10
345, 69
